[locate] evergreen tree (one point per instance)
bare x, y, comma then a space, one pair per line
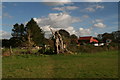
73, 39
15, 30
18, 33
35, 35
18, 30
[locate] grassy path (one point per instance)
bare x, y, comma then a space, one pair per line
100, 65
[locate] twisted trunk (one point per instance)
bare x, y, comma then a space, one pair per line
59, 45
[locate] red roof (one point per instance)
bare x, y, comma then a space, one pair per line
89, 38
85, 38
93, 40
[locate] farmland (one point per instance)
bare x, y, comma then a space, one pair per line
59, 39
82, 65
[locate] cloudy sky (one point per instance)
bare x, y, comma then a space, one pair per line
80, 18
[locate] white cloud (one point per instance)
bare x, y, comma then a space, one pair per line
63, 21
99, 25
84, 32
93, 8
90, 9
95, 33
46, 28
97, 21
99, 7
37, 20
57, 21
71, 30
57, 2
5, 35
59, 8
47, 31
71, 7
65, 8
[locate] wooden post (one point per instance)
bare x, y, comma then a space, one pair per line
11, 52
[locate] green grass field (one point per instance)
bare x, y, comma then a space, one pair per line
98, 65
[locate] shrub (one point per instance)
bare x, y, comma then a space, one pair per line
90, 48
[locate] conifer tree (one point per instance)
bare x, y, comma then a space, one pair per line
34, 33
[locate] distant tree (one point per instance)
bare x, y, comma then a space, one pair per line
99, 36
0, 42
64, 33
65, 36
15, 42
5, 43
73, 36
22, 30
18, 35
116, 35
18, 30
15, 30
73, 39
35, 34
106, 36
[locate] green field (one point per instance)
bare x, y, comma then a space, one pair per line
97, 65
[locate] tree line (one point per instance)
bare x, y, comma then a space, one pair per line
31, 35
113, 36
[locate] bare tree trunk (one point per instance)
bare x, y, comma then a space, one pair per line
59, 46
61, 40
29, 42
59, 43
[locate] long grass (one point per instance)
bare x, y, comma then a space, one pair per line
98, 65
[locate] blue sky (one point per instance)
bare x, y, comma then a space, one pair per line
80, 18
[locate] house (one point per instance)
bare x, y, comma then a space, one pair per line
87, 40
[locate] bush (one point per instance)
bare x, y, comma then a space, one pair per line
90, 48
48, 51
6, 52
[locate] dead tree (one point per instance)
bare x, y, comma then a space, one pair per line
59, 45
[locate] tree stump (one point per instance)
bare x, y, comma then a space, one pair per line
59, 45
